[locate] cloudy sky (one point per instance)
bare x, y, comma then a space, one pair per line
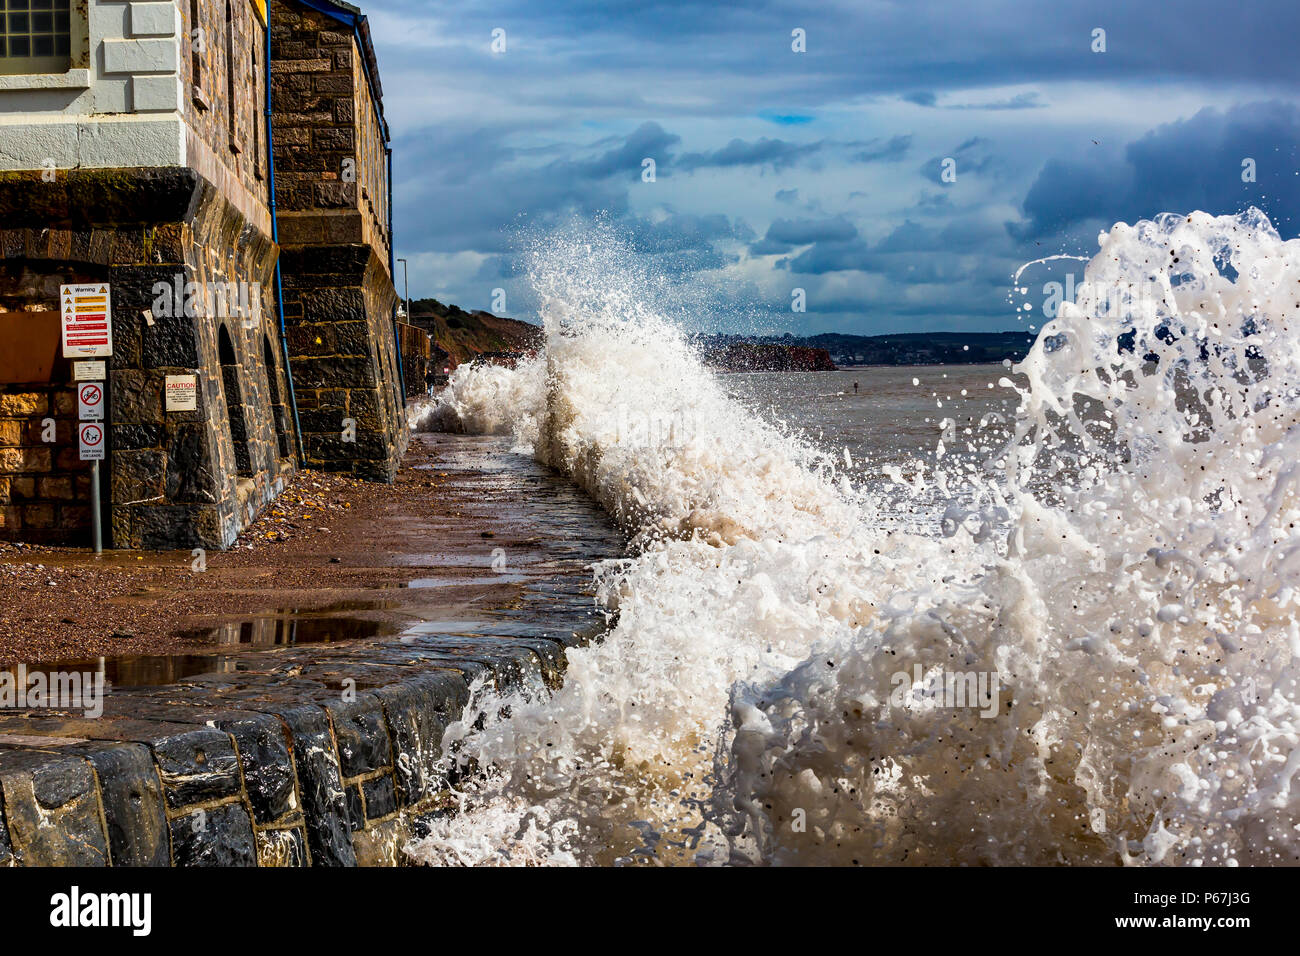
824, 170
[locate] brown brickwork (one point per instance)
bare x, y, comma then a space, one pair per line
223, 31
44, 489
44, 486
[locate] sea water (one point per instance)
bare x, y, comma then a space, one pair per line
1066, 632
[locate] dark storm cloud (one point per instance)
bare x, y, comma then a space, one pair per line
678, 232
776, 153
1021, 101
560, 124
874, 48
962, 234
824, 257
648, 141
473, 193
1192, 164
780, 154
785, 234
972, 156
894, 149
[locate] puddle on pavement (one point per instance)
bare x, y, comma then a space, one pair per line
467, 582
450, 626
137, 670
285, 627
290, 627
517, 555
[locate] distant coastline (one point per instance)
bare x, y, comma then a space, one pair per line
460, 336
766, 357
834, 350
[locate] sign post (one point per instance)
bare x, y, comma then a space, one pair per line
90, 437
92, 371
96, 528
87, 314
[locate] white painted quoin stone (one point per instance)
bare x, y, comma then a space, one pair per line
119, 105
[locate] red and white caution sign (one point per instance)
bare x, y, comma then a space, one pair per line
87, 322
91, 436
90, 401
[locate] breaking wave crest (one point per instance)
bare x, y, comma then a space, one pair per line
1112, 600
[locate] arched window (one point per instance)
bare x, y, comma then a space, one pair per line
257, 105
234, 402
278, 411
236, 143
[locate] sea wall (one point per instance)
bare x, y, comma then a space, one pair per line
326, 756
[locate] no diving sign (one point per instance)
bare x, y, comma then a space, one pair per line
92, 441
90, 401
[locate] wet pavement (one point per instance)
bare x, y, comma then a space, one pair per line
500, 536
309, 731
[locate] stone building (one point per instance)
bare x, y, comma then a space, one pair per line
134, 153
333, 191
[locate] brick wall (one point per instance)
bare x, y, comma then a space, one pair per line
44, 486
337, 304
196, 478
315, 115
330, 158
372, 165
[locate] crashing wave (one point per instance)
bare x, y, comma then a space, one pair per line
1117, 590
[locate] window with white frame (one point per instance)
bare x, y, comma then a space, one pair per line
35, 36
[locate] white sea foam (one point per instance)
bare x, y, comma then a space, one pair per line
1123, 572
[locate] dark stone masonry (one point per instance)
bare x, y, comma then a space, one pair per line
180, 225
332, 175
174, 478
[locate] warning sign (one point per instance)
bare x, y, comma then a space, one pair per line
92, 441
90, 401
182, 393
87, 326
